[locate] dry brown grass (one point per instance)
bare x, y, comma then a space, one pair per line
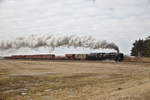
77, 80
137, 59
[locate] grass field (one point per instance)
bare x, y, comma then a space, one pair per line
75, 80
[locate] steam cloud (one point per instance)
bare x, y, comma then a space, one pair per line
54, 41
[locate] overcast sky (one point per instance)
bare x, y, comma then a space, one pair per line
118, 21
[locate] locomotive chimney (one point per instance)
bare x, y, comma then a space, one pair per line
118, 51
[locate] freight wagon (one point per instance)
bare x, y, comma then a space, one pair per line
70, 56
76, 56
36, 57
40, 57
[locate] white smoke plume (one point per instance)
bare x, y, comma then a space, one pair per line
54, 41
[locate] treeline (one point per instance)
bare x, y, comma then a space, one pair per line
141, 48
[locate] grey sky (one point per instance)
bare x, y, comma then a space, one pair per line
119, 21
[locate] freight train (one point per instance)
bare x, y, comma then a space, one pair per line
91, 56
